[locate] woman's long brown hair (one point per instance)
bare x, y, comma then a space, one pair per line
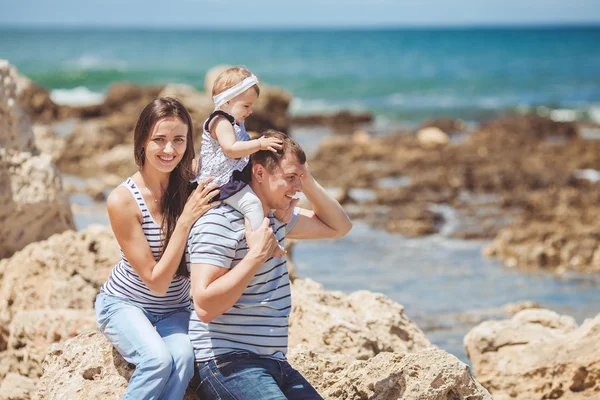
179, 188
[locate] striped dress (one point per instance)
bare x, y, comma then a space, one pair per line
258, 321
125, 282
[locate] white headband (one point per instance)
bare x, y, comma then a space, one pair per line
235, 90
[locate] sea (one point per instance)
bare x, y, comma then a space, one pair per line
402, 76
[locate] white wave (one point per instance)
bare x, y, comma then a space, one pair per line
594, 113
79, 96
588, 174
440, 100
564, 115
88, 61
302, 106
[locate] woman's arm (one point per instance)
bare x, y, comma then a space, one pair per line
126, 222
223, 132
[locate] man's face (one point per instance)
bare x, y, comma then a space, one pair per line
283, 183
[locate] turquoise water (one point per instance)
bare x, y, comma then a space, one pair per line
400, 75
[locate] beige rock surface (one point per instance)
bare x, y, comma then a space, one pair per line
32, 333
426, 374
538, 354
17, 387
15, 125
64, 271
34, 205
432, 137
85, 367
88, 367
361, 324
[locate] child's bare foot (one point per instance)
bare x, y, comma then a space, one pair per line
279, 252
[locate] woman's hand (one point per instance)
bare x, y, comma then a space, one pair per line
199, 202
261, 242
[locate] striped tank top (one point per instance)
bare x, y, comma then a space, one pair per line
125, 282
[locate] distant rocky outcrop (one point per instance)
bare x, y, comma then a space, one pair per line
34, 205
538, 354
428, 374
360, 324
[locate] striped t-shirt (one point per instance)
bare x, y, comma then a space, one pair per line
125, 282
258, 321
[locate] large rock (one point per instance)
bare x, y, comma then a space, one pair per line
538, 354
87, 146
32, 333
34, 99
64, 271
429, 374
15, 126
86, 367
17, 387
361, 324
128, 98
34, 205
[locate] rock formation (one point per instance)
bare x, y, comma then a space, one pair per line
538, 354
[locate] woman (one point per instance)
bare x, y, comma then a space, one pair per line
143, 308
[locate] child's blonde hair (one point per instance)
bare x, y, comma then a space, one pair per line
230, 77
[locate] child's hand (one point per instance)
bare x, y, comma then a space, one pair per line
269, 143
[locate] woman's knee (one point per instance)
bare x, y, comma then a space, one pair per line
160, 362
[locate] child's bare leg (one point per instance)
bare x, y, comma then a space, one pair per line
246, 202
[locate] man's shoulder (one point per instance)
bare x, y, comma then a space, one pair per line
223, 217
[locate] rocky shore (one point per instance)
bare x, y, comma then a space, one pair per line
517, 180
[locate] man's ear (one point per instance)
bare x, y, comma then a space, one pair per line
258, 172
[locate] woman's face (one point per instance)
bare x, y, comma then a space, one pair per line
166, 145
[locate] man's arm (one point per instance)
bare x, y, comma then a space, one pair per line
216, 289
327, 218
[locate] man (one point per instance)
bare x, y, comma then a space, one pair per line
241, 294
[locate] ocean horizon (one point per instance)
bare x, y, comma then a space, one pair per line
401, 75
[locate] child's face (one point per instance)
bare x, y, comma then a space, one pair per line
240, 107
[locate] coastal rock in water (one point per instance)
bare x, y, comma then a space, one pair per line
428, 374
340, 121
129, 98
538, 354
432, 137
87, 146
523, 128
64, 271
34, 99
448, 125
32, 333
361, 324
34, 205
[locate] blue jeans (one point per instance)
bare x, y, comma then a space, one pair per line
245, 376
158, 345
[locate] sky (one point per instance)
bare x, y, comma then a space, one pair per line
303, 13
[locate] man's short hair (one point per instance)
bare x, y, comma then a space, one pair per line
271, 160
